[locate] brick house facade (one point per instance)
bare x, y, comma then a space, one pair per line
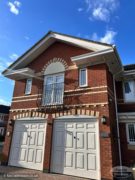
66, 86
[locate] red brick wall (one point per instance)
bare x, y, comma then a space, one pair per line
98, 76
128, 156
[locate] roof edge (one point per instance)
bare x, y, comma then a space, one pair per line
53, 33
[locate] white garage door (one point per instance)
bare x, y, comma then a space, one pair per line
76, 148
27, 149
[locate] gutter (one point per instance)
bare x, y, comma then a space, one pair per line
117, 55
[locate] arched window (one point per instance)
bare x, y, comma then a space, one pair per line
53, 84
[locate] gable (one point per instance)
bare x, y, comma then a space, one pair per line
58, 50
49, 40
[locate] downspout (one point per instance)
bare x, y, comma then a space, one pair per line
117, 120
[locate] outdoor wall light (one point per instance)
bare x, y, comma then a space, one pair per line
8, 133
11, 122
103, 119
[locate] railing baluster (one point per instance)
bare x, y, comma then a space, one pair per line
53, 94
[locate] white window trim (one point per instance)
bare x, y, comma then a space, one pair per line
125, 100
2, 131
85, 85
2, 117
27, 93
127, 133
45, 78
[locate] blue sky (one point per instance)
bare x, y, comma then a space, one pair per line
23, 23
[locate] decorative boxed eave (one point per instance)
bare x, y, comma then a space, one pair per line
20, 74
108, 56
126, 117
126, 75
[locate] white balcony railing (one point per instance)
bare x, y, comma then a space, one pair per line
53, 94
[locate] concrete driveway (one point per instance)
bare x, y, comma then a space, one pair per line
14, 173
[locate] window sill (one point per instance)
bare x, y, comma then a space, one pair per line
131, 146
27, 94
85, 86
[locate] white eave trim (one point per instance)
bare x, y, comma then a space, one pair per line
126, 117
22, 73
128, 73
92, 54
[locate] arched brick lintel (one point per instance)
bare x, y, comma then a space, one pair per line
34, 114
56, 60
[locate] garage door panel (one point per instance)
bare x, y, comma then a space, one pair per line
32, 138
69, 125
24, 138
79, 160
15, 154
33, 126
90, 126
30, 156
69, 139
91, 162
79, 140
58, 157
27, 149
23, 154
59, 139
39, 154
18, 138
91, 140
79, 125
40, 138
68, 159
41, 126
80, 153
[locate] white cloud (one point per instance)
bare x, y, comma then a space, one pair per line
80, 9
2, 67
14, 7
4, 63
101, 9
94, 36
17, 3
4, 102
13, 56
27, 37
9, 63
101, 14
109, 37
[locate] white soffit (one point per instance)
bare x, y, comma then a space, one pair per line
126, 75
107, 56
82, 43
126, 117
40, 47
20, 74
